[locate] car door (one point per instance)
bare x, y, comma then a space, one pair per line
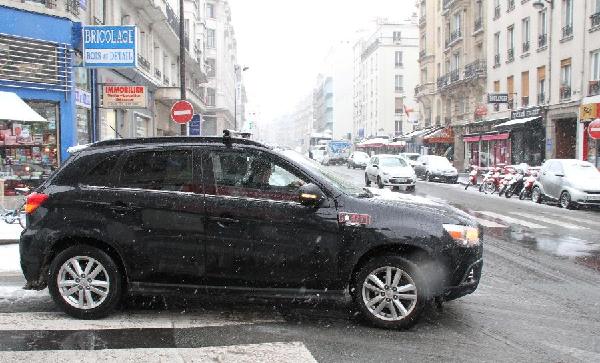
259, 235
372, 168
161, 208
552, 179
419, 167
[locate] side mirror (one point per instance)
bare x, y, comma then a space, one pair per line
375, 166
559, 174
310, 195
423, 163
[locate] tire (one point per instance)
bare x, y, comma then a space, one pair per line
379, 183
109, 280
536, 195
489, 187
348, 165
427, 177
508, 193
367, 181
565, 200
411, 189
414, 298
522, 194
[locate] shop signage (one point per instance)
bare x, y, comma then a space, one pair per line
497, 97
594, 129
123, 96
182, 112
195, 125
526, 112
481, 110
589, 111
83, 98
109, 46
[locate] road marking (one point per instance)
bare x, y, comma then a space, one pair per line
555, 222
140, 320
265, 352
580, 220
510, 220
489, 224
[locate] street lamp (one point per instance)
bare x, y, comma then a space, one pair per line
236, 68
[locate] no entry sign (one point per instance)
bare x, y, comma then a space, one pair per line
182, 112
594, 129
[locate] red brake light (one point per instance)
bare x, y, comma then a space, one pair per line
34, 201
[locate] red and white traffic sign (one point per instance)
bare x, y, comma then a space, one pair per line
182, 112
594, 129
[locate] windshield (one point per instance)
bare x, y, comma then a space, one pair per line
581, 170
361, 156
392, 162
344, 185
411, 157
439, 162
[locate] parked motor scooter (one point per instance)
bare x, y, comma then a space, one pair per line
516, 185
505, 182
492, 184
528, 186
472, 176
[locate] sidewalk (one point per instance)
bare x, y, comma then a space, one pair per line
9, 233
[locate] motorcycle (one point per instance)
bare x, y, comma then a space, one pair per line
491, 183
515, 186
528, 186
472, 176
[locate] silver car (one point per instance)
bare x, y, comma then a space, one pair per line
570, 182
390, 170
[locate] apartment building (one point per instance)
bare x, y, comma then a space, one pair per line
385, 76
452, 87
545, 56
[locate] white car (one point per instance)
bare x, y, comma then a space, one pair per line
410, 157
390, 170
358, 159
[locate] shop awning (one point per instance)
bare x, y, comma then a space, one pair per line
589, 100
13, 108
417, 133
518, 121
491, 137
472, 138
397, 144
375, 143
441, 136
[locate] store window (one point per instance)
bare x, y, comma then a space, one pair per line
141, 126
108, 124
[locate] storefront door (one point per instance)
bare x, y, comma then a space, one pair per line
566, 137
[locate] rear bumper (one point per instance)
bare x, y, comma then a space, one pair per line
33, 261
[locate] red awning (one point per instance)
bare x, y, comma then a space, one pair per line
442, 136
471, 138
495, 137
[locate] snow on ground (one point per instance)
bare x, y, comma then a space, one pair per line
10, 231
9, 258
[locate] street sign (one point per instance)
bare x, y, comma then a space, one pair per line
497, 97
182, 112
109, 46
594, 129
194, 126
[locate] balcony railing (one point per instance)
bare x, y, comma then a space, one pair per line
496, 12
565, 92
72, 6
454, 36
541, 98
442, 81
594, 88
525, 101
455, 76
497, 60
422, 54
475, 69
422, 21
157, 73
567, 31
595, 19
143, 62
510, 55
166, 80
510, 6
542, 40
172, 19
50, 4
478, 25
525, 47
447, 4
511, 103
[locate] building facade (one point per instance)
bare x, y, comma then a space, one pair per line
385, 76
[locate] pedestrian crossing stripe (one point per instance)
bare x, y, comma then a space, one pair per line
264, 352
489, 224
511, 220
145, 320
555, 222
580, 220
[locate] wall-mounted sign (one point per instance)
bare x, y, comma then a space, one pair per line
194, 125
497, 97
481, 110
526, 112
109, 46
122, 96
83, 98
589, 111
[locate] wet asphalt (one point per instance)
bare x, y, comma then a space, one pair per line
538, 300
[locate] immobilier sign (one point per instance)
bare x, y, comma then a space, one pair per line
123, 96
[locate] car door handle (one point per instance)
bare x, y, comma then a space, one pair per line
224, 220
121, 207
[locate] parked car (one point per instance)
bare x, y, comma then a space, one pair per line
390, 170
358, 159
570, 182
433, 167
411, 158
222, 215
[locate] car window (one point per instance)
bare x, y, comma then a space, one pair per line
166, 170
393, 162
252, 175
100, 173
553, 167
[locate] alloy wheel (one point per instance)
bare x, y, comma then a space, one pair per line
536, 195
565, 200
389, 293
83, 282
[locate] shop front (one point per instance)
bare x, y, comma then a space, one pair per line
441, 142
485, 146
527, 136
39, 116
589, 116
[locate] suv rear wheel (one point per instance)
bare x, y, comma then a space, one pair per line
390, 292
85, 282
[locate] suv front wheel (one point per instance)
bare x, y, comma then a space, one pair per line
390, 292
85, 282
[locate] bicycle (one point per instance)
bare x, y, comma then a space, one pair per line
11, 216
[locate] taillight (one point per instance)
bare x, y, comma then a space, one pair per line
34, 201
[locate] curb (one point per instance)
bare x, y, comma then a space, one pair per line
8, 241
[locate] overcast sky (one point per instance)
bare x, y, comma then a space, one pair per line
284, 42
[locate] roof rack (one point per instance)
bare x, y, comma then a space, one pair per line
226, 139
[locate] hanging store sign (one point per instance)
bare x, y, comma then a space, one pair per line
589, 111
83, 98
121, 96
526, 112
109, 46
497, 97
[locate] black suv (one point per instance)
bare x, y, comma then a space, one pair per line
217, 215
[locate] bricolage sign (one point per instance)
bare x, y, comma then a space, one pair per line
109, 46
